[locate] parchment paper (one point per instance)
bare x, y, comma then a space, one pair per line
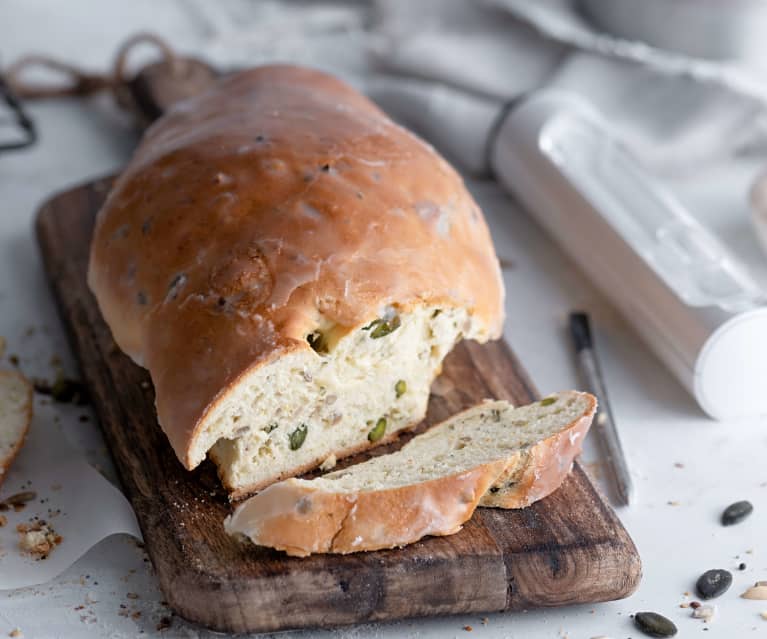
72, 496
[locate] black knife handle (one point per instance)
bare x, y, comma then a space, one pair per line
580, 329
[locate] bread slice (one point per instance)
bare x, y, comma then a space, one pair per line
492, 454
15, 416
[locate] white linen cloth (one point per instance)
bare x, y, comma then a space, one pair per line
676, 112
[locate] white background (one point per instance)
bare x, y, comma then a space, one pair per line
675, 520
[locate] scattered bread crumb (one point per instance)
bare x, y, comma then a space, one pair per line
16, 632
674, 503
757, 592
484, 621
678, 465
704, 612
468, 628
37, 538
132, 595
3, 521
18, 501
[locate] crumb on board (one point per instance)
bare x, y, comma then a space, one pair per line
468, 628
16, 632
37, 538
484, 621
3, 521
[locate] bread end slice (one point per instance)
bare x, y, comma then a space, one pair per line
15, 416
429, 487
540, 469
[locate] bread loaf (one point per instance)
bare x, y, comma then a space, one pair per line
291, 267
15, 416
491, 455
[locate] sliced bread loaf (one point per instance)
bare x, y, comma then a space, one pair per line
289, 265
492, 454
15, 416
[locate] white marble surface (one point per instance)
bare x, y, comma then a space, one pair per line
687, 468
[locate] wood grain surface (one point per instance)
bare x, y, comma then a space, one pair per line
568, 548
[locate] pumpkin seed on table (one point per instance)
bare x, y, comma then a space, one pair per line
737, 512
713, 583
654, 625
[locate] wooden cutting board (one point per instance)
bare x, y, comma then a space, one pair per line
568, 548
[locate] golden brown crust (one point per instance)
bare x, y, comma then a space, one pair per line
294, 517
246, 213
5, 463
533, 474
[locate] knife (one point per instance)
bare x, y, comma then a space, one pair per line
604, 424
